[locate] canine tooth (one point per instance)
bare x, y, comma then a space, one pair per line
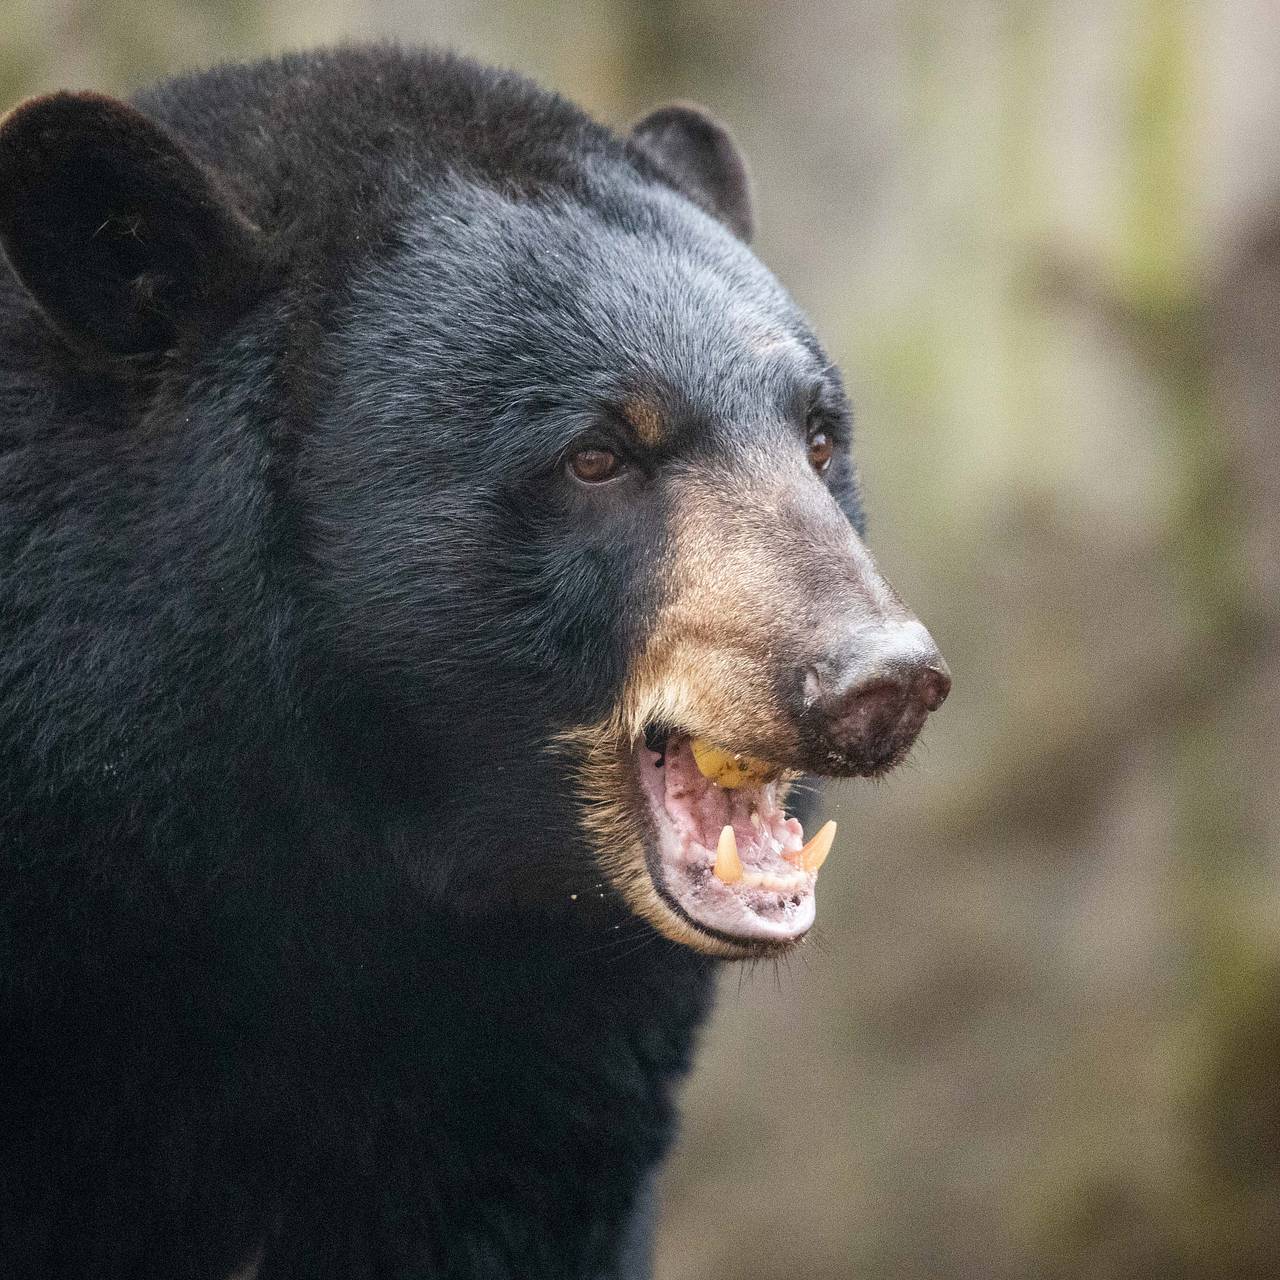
814, 854
728, 866
728, 770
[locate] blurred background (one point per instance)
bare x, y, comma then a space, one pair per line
1040, 1033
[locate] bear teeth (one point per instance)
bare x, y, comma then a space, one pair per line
815, 853
728, 866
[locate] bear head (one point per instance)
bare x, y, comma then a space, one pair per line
578, 547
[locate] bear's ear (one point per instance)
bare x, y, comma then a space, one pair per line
122, 238
692, 148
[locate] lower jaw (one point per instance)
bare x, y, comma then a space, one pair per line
752, 934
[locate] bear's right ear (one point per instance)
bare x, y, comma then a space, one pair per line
122, 238
699, 156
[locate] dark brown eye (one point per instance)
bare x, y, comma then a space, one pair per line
594, 466
821, 448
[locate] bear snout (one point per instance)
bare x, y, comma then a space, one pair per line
869, 700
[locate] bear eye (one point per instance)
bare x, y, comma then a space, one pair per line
821, 448
594, 466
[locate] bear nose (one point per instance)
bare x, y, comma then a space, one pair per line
872, 699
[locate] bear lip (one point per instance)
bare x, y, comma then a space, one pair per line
773, 903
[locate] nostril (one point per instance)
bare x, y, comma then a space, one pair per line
935, 684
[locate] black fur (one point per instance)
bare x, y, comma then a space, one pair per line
303, 955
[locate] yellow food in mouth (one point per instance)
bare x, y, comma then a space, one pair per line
728, 769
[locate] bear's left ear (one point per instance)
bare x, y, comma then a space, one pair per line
698, 154
119, 234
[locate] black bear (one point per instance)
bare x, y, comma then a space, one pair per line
429, 549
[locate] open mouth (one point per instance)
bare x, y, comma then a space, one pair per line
724, 853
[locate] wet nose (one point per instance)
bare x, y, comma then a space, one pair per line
871, 699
